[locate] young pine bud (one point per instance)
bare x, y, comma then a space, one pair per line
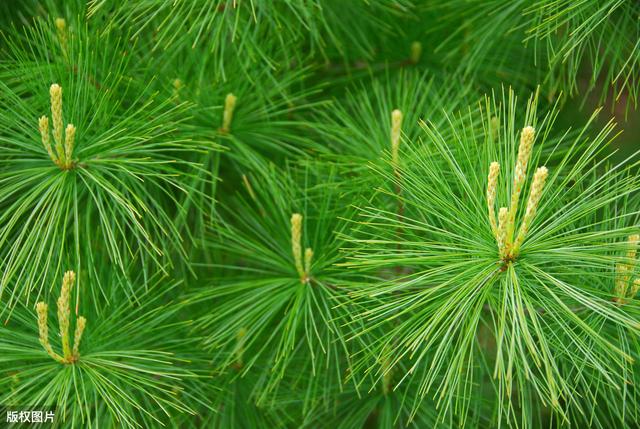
631, 256
416, 52
624, 270
81, 323
43, 329
69, 139
633, 248
296, 246
494, 127
61, 24
64, 312
61, 27
396, 127
539, 180
43, 125
56, 114
492, 182
227, 116
524, 153
308, 257
622, 280
502, 230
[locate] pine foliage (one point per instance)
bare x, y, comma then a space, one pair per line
320, 214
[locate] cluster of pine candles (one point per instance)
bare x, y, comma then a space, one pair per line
319, 214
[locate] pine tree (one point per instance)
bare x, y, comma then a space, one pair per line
319, 214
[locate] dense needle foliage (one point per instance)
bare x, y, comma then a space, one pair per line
320, 214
